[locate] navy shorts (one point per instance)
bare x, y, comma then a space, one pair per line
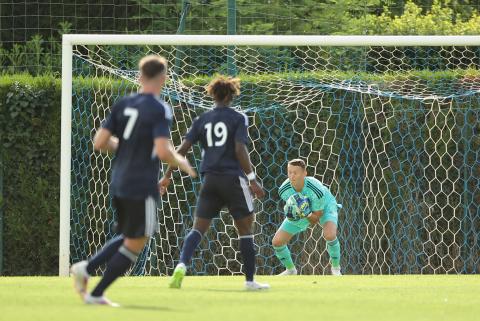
136, 218
219, 191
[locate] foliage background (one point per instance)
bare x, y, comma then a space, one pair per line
30, 35
30, 31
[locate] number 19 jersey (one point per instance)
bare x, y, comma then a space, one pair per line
217, 131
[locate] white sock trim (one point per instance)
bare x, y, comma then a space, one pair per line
128, 254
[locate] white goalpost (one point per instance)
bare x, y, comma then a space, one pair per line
390, 123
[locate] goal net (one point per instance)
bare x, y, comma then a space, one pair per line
390, 124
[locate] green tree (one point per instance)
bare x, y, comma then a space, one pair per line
440, 19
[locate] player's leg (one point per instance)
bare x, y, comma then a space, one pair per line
120, 262
280, 240
329, 224
81, 271
240, 206
137, 221
279, 243
247, 249
208, 206
104, 254
200, 226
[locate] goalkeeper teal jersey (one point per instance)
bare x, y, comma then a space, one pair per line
319, 195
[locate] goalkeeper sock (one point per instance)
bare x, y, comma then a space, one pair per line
333, 249
189, 245
105, 254
117, 266
283, 254
248, 254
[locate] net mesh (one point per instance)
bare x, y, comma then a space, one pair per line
393, 131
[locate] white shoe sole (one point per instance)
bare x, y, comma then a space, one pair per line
80, 281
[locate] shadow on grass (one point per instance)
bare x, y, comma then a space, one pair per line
230, 291
150, 308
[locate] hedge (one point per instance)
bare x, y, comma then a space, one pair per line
30, 145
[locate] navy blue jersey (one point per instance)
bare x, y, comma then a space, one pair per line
217, 131
137, 120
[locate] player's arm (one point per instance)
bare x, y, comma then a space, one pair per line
317, 210
104, 141
241, 152
165, 180
163, 145
165, 152
314, 217
243, 158
181, 150
191, 137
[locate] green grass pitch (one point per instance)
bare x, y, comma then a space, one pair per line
296, 298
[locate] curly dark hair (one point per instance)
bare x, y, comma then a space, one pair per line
223, 89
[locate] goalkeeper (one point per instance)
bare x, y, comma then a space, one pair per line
307, 202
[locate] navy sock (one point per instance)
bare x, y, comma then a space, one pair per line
248, 254
101, 257
189, 245
117, 266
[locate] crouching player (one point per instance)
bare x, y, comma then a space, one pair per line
317, 204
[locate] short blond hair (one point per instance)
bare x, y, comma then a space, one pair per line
152, 66
298, 162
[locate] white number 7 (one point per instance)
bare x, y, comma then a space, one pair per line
132, 113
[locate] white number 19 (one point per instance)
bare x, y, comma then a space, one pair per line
220, 130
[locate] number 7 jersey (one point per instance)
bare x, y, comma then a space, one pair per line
137, 120
217, 131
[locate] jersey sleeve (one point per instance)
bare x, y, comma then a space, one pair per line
318, 204
193, 134
163, 122
241, 133
111, 122
285, 190
317, 197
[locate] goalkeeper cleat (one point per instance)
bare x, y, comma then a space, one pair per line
80, 277
99, 300
255, 286
336, 271
177, 277
289, 272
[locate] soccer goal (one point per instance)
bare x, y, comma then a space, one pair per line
390, 123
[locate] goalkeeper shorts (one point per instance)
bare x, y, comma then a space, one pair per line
330, 214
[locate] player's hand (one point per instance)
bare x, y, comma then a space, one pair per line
163, 184
313, 218
184, 165
257, 189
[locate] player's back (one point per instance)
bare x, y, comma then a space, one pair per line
217, 131
135, 120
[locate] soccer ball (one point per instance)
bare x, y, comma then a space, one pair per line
297, 207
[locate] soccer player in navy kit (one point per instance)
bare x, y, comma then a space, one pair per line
138, 131
228, 177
